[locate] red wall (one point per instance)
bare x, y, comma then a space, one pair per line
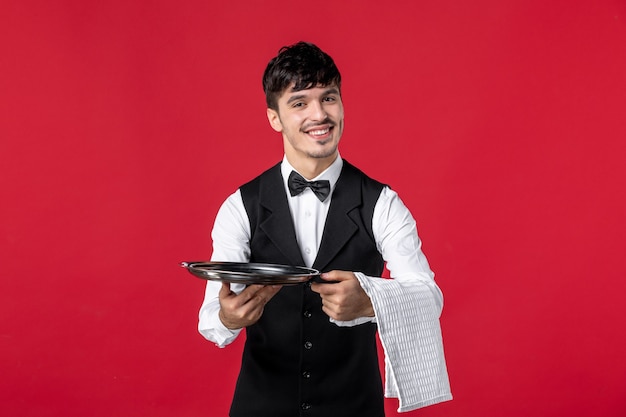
125, 124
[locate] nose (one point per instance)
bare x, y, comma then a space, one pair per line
318, 113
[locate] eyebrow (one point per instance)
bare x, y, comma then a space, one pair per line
295, 98
331, 90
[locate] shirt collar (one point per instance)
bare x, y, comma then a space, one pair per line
331, 173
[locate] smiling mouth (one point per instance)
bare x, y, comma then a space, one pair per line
319, 132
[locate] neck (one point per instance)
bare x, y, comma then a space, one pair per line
310, 168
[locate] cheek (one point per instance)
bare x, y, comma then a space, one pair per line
339, 119
295, 123
338, 115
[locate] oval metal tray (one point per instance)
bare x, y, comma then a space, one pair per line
251, 273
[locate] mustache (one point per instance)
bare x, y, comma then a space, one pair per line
326, 121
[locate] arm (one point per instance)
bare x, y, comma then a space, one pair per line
396, 235
347, 303
226, 309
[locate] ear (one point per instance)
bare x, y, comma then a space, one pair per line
274, 119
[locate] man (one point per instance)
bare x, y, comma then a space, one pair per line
311, 349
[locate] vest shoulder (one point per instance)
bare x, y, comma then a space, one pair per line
353, 171
254, 183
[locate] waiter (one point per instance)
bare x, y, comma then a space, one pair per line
311, 349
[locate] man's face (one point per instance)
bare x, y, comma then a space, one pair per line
311, 122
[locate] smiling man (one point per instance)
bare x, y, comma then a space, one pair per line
311, 349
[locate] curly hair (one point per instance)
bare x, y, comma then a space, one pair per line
302, 65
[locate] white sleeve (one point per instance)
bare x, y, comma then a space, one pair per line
231, 236
396, 238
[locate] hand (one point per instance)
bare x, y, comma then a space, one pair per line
243, 309
344, 300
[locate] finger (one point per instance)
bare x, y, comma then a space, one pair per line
325, 289
235, 299
337, 276
329, 303
264, 294
330, 309
332, 277
318, 287
258, 294
225, 290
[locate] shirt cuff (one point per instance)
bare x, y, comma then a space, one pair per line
215, 331
355, 322
359, 320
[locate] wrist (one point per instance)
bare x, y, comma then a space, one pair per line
227, 323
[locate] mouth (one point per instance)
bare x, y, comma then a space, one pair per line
320, 132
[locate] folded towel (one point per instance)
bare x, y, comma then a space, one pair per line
410, 333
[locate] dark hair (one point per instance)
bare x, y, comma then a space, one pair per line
302, 64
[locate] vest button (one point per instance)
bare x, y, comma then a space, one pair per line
307, 314
306, 375
308, 345
305, 406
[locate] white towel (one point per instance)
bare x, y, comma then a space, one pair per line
409, 330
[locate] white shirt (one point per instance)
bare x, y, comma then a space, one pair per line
411, 297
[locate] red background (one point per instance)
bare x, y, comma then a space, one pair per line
125, 124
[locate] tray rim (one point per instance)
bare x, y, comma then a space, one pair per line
293, 274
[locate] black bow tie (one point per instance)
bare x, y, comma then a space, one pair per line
297, 184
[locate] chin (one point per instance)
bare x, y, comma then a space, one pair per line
323, 154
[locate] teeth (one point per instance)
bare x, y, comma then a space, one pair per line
319, 132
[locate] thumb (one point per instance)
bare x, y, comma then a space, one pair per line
337, 276
225, 290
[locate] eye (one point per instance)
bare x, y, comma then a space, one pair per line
329, 99
297, 104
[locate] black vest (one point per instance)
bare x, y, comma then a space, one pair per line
295, 362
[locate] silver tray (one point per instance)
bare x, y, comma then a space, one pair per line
251, 273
